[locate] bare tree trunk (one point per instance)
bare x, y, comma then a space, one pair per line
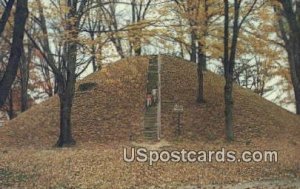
202, 57
229, 58
294, 62
193, 46
66, 85
201, 61
229, 107
66, 93
10, 112
24, 72
295, 77
24, 86
64, 69
46, 48
5, 15
16, 50
297, 98
201, 51
94, 64
65, 137
291, 37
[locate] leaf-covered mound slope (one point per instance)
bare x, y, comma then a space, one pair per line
254, 117
110, 110
113, 110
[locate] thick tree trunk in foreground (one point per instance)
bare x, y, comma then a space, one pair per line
295, 75
16, 50
291, 38
64, 69
65, 138
66, 91
66, 85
